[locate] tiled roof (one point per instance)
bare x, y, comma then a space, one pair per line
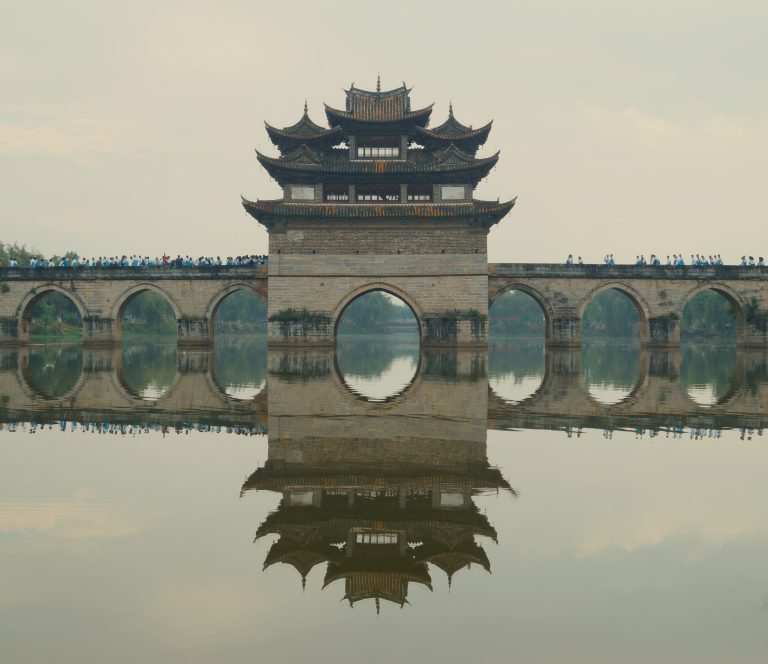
449, 160
493, 210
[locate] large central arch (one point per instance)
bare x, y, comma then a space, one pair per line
383, 287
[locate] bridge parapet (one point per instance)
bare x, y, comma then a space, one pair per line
659, 293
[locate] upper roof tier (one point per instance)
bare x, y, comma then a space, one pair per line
304, 132
453, 131
372, 111
448, 165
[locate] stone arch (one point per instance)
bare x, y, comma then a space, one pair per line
377, 286
218, 298
125, 298
733, 298
544, 305
24, 310
637, 300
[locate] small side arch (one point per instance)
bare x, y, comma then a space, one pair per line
125, 298
637, 300
24, 310
377, 286
218, 298
544, 305
734, 299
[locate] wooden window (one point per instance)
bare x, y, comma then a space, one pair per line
420, 193
377, 152
333, 193
452, 192
301, 192
380, 194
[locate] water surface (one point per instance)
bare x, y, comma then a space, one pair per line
601, 505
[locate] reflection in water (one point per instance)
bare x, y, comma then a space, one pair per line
377, 501
708, 372
381, 504
148, 369
515, 370
611, 370
53, 370
240, 365
378, 368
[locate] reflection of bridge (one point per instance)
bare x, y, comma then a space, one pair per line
658, 399
660, 295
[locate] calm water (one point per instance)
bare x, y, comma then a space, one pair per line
378, 503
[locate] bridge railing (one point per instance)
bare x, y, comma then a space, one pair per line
601, 271
81, 273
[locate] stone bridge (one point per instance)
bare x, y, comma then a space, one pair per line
449, 399
659, 293
101, 296
563, 292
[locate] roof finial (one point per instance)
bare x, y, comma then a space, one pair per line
305, 106
378, 605
378, 82
450, 109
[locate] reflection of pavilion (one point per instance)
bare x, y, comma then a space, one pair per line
377, 528
377, 492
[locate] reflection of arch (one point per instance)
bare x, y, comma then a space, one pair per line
390, 400
731, 296
35, 295
640, 304
537, 297
214, 384
122, 302
123, 386
369, 288
216, 300
28, 382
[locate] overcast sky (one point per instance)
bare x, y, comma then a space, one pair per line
624, 127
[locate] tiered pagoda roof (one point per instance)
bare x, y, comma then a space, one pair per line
304, 132
402, 151
452, 132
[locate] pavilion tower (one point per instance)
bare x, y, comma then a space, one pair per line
378, 201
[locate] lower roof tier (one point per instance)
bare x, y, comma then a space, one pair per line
481, 213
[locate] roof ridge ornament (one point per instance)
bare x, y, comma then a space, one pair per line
305, 106
378, 82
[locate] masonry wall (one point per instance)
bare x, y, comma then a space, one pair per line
386, 238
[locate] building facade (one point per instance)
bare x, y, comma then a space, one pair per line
378, 201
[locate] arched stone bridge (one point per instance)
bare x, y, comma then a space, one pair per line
563, 292
659, 293
101, 296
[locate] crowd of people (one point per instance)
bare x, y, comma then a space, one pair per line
676, 260
142, 261
132, 429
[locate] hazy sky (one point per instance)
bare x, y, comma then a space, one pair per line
623, 127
